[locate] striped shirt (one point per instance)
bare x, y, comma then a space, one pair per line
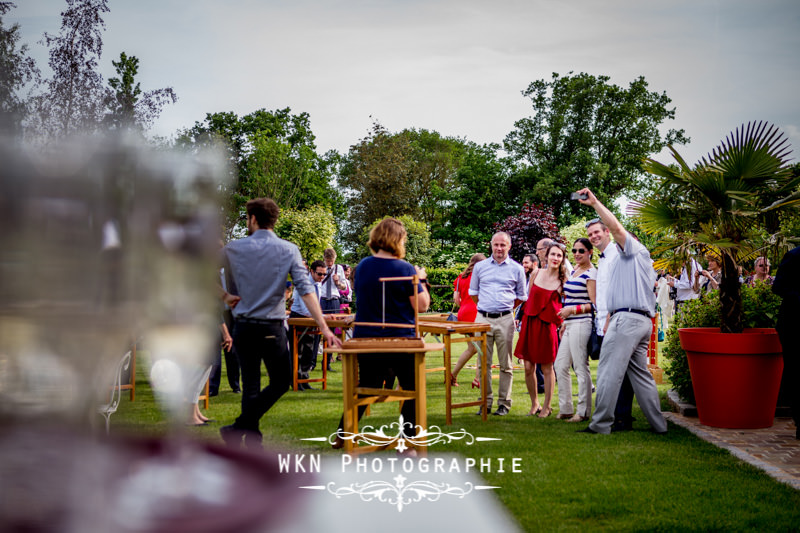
576, 293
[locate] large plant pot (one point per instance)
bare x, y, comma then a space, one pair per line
735, 376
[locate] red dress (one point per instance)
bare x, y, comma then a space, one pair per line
468, 309
538, 334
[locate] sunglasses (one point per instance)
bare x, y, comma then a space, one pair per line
579, 250
593, 221
319, 273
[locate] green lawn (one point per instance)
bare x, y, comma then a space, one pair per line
630, 481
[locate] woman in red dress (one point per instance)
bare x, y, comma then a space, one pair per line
538, 335
467, 311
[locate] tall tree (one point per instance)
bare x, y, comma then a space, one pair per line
272, 153
16, 71
393, 174
586, 132
479, 199
127, 108
73, 99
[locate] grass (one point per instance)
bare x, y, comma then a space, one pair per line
634, 481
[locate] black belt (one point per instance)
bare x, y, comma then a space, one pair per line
629, 310
264, 321
494, 315
334, 298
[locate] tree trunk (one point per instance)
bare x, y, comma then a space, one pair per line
730, 297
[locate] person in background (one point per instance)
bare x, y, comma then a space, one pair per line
256, 270
579, 299
538, 334
787, 285
708, 280
761, 274
308, 343
685, 284
467, 312
332, 283
498, 286
396, 300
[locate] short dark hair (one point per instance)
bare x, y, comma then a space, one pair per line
318, 263
265, 210
533, 258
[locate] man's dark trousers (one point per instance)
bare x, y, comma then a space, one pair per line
264, 341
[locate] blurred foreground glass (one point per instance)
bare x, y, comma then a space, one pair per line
101, 245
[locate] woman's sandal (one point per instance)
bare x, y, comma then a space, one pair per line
476, 383
542, 415
453, 381
536, 412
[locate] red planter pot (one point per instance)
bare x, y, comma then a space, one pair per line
735, 376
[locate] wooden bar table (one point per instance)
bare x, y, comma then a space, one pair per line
343, 322
355, 396
467, 332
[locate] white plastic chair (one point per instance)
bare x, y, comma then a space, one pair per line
108, 409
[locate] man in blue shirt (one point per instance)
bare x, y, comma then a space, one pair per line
308, 342
631, 304
256, 270
497, 287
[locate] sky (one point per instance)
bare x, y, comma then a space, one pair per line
454, 66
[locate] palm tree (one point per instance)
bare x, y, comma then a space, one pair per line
728, 204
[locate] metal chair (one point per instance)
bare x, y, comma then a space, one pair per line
108, 409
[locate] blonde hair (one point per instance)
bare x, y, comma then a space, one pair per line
389, 235
472, 261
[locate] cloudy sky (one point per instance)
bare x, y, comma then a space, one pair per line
454, 66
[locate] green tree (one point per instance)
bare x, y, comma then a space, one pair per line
586, 132
477, 201
73, 98
16, 71
265, 149
311, 229
127, 108
393, 174
419, 248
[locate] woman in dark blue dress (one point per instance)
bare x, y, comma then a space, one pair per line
391, 302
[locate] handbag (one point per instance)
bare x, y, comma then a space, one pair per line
594, 342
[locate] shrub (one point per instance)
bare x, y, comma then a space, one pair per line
760, 307
441, 280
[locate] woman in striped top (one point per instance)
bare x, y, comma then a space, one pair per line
579, 297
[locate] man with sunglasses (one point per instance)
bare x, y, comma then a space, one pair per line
308, 343
630, 304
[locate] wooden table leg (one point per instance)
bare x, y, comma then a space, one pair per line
295, 362
421, 394
485, 359
350, 415
448, 380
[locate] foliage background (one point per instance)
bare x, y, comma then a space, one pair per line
760, 308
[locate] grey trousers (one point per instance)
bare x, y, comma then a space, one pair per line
501, 337
625, 352
572, 352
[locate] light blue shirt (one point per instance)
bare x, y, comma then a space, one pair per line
299, 305
257, 269
632, 278
497, 285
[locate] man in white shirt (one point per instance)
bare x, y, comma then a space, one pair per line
329, 297
685, 284
630, 303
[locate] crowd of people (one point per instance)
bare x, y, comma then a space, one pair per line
559, 305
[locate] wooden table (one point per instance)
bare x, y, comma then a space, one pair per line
355, 396
468, 332
344, 322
